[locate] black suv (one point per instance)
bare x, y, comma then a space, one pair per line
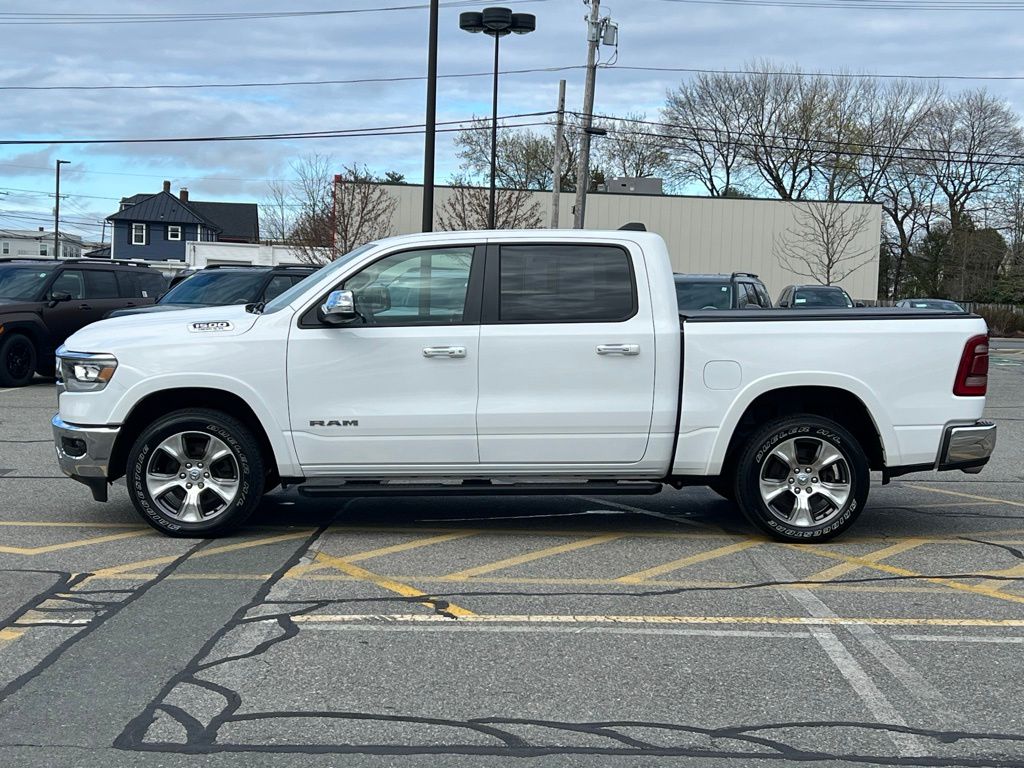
224, 284
739, 290
43, 301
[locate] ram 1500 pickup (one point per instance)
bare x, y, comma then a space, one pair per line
516, 362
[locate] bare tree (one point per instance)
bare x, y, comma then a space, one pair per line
320, 218
823, 244
363, 210
632, 148
706, 128
467, 206
968, 138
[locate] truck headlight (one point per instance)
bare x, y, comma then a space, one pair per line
84, 372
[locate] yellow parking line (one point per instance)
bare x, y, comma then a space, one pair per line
641, 576
315, 618
74, 544
302, 570
965, 495
529, 557
9, 634
385, 583
977, 590
1016, 572
118, 570
837, 571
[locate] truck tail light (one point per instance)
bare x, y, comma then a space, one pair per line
972, 375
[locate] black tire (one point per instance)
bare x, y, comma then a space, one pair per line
823, 519
248, 468
17, 360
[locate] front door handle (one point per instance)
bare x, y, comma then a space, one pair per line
618, 349
444, 351
84, 306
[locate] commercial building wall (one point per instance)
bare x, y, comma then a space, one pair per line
703, 234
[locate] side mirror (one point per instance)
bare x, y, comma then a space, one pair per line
56, 297
859, 304
339, 308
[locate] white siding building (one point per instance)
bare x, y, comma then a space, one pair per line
704, 234
37, 243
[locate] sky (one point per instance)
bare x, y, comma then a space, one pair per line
42, 57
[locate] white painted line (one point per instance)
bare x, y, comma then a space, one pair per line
876, 702
959, 639
459, 626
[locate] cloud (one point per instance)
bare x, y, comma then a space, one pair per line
392, 44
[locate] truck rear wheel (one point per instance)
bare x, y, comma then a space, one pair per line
17, 360
195, 473
802, 478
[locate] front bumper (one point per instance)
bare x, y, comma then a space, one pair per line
83, 453
967, 447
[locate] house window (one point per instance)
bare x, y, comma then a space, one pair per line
173, 232
6, 248
138, 234
44, 249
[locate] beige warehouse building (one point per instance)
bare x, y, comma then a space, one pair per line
707, 234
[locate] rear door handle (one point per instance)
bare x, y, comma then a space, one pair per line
618, 349
444, 351
84, 306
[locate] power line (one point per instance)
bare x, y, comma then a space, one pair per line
280, 84
839, 75
79, 19
830, 144
382, 131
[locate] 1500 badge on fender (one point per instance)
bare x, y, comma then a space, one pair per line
219, 325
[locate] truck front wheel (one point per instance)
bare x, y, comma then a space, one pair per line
802, 478
195, 473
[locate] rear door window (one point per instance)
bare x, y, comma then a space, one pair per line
100, 284
565, 284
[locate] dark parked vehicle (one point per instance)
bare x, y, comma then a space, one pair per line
739, 290
43, 301
815, 297
224, 284
942, 305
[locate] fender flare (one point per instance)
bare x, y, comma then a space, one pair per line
792, 380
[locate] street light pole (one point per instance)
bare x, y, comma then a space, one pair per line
56, 210
431, 122
491, 205
496, 22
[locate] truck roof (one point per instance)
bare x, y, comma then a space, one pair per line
536, 235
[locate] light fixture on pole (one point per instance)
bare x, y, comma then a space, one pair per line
496, 22
56, 210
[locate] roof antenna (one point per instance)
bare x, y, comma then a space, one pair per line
633, 226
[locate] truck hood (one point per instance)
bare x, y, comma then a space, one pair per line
157, 308
207, 324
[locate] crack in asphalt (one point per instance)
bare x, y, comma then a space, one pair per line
65, 585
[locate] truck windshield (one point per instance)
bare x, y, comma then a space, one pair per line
216, 288
704, 294
302, 286
23, 283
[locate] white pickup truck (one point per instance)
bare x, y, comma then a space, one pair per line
517, 362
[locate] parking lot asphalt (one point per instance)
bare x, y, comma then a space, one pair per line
641, 631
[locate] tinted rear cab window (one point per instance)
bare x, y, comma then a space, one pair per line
565, 284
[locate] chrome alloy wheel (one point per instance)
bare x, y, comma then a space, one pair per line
192, 476
805, 481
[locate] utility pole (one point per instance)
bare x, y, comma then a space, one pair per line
431, 121
56, 210
556, 170
583, 170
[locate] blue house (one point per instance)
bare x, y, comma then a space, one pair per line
156, 227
